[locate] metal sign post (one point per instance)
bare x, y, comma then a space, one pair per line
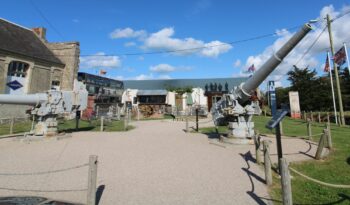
272, 95
275, 123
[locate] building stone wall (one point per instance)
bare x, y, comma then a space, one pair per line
40, 79
68, 53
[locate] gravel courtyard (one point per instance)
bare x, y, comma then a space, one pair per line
155, 163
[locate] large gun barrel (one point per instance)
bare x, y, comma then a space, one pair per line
261, 74
30, 99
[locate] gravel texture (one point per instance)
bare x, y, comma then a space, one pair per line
155, 163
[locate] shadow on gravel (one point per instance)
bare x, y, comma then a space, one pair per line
248, 157
99, 193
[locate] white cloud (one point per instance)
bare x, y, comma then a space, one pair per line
148, 77
119, 77
127, 33
215, 48
340, 29
166, 68
166, 77
162, 68
141, 58
129, 44
143, 77
75, 21
237, 63
100, 60
163, 41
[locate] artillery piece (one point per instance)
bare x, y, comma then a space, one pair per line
236, 109
47, 106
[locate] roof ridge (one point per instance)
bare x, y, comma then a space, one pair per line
16, 24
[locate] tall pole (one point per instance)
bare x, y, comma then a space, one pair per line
347, 57
340, 101
331, 77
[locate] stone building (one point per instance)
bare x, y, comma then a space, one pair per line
31, 64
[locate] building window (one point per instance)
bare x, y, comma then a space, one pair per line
55, 83
152, 99
18, 69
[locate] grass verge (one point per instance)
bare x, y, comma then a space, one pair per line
335, 169
68, 126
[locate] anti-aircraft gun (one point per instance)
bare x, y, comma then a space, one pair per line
48, 106
235, 108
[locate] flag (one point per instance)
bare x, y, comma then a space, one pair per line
326, 66
103, 72
340, 57
251, 68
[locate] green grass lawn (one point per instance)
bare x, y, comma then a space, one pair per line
335, 169
19, 127
68, 126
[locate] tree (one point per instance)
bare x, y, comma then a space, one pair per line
345, 87
282, 96
302, 81
314, 92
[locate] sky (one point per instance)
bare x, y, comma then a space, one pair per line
212, 39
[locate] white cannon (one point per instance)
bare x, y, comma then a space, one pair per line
235, 108
47, 106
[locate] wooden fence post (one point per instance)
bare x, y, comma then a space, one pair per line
319, 117
305, 116
328, 121
12, 122
321, 145
187, 124
329, 137
312, 116
286, 183
92, 180
257, 147
126, 117
309, 131
267, 163
101, 123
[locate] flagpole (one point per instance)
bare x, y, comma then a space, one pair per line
347, 58
330, 74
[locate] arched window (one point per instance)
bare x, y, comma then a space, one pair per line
18, 69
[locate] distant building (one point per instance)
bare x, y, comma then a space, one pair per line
103, 92
32, 64
205, 92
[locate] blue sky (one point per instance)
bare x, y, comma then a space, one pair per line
124, 27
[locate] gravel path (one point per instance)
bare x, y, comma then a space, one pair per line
156, 163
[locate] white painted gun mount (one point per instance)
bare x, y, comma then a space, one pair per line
236, 109
47, 106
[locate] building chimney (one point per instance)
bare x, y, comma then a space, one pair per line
41, 32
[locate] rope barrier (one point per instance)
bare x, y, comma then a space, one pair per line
46, 172
38, 190
320, 182
200, 122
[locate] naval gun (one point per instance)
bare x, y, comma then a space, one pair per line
49, 105
235, 108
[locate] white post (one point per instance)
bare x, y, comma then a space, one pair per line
347, 58
330, 73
